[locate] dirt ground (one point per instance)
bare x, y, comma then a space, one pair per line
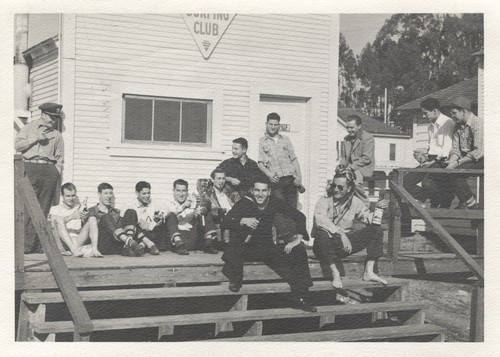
449, 302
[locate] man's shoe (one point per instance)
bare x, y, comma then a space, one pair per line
136, 248
234, 287
154, 250
209, 248
305, 305
128, 252
181, 249
461, 205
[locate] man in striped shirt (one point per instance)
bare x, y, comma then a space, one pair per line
467, 150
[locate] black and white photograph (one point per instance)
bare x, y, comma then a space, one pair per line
192, 176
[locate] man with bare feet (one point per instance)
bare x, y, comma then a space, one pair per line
72, 225
334, 237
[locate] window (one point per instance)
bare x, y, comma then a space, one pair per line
167, 120
392, 152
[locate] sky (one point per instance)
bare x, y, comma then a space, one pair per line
359, 29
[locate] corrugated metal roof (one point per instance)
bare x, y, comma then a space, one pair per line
466, 88
371, 125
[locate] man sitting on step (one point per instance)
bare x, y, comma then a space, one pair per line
333, 233
156, 224
250, 223
72, 225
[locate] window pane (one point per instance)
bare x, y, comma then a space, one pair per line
392, 153
138, 119
194, 122
167, 120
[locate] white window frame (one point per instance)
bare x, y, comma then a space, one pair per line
131, 148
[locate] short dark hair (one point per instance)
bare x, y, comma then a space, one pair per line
217, 170
104, 186
430, 104
273, 116
141, 185
354, 117
68, 186
181, 182
261, 179
242, 141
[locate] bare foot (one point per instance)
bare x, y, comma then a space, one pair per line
97, 254
374, 277
66, 253
77, 253
337, 281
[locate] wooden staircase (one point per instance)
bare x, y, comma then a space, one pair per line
241, 321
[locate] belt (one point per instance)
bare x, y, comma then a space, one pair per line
39, 161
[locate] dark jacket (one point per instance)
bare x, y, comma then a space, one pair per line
360, 154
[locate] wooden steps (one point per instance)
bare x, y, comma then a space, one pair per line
411, 311
433, 332
181, 292
444, 213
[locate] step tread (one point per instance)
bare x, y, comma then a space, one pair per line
362, 334
445, 213
228, 316
179, 292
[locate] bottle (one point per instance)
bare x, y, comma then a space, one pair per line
379, 212
301, 188
84, 208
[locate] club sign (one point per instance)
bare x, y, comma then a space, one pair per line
207, 30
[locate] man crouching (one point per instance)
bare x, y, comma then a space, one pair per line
250, 223
334, 237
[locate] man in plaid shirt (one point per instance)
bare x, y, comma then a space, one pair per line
467, 149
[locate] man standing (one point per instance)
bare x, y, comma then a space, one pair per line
72, 225
42, 147
189, 212
156, 223
334, 237
240, 170
441, 130
278, 162
359, 154
467, 149
250, 224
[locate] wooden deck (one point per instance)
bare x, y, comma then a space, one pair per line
198, 267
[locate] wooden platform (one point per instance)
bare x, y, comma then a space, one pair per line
198, 267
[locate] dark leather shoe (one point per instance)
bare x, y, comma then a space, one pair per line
181, 250
154, 250
305, 305
234, 287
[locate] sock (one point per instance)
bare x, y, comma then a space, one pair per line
471, 202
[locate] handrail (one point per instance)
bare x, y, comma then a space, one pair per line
72, 298
441, 232
472, 172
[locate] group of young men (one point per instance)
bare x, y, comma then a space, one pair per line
254, 204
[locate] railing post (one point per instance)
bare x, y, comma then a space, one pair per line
394, 237
477, 313
19, 215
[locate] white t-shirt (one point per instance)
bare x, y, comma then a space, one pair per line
74, 226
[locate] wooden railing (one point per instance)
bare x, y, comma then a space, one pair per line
400, 197
26, 198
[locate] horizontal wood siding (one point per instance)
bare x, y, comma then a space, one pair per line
158, 49
44, 79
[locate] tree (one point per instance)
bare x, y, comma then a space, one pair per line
347, 73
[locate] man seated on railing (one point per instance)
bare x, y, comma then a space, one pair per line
116, 233
250, 223
72, 225
189, 215
433, 186
334, 237
467, 150
156, 224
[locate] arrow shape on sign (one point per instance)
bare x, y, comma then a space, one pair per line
207, 30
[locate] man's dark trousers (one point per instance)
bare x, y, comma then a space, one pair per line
44, 179
459, 182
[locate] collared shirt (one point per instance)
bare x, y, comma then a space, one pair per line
333, 217
246, 173
277, 154
145, 213
224, 201
96, 212
51, 149
468, 139
441, 136
75, 225
185, 217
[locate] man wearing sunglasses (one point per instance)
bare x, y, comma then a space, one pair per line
42, 147
333, 231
